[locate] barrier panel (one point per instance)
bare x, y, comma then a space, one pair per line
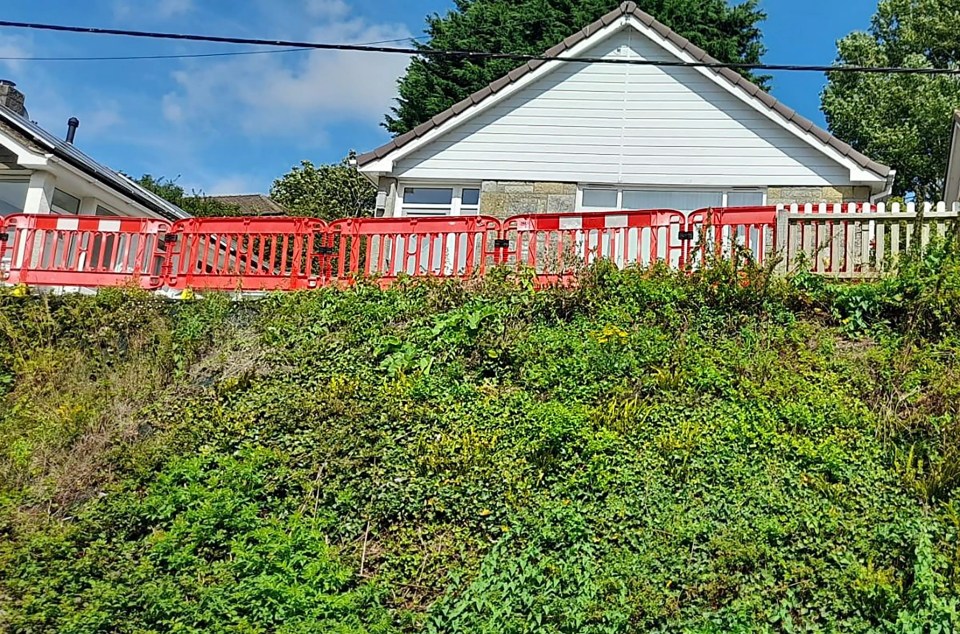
753, 229
458, 246
248, 254
86, 252
556, 245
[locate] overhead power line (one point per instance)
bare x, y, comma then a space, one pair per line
478, 55
109, 58
113, 58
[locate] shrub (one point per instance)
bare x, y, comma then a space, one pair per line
711, 450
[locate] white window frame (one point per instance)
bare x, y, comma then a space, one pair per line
725, 191
455, 208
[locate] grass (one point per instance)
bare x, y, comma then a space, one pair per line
649, 451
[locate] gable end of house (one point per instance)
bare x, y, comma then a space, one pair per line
405, 157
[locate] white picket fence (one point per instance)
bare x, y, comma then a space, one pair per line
857, 241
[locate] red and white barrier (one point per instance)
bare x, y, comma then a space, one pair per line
386, 248
751, 229
555, 245
83, 251
283, 253
248, 254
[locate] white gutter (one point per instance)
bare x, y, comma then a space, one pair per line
887, 191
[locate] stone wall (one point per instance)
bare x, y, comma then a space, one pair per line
386, 197
12, 98
503, 198
802, 195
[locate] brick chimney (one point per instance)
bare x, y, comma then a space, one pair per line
11, 97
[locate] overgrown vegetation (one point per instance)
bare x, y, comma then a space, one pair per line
650, 451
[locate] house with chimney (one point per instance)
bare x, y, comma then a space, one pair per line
41, 173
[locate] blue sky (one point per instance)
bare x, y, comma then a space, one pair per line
233, 124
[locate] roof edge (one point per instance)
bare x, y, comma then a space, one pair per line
124, 185
630, 9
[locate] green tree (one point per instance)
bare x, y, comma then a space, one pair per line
433, 84
336, 190
901, 120
196, 204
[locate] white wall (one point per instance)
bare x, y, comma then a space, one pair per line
952, 186
640, 125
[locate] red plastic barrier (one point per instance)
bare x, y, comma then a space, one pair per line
283, 253
83, 251
248, 254
750, 228
556, 245
448, 246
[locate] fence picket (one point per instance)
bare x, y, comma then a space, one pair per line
880, 250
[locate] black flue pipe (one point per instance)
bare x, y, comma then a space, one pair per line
72, 126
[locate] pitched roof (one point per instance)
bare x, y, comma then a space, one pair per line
254, 204
630, 9
70, 154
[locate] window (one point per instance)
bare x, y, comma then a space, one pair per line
64, 203
603, 199
470, 197
103, 211
664, 199
13, 195
745, 198
440, 201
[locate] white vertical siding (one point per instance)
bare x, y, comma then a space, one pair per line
640, 125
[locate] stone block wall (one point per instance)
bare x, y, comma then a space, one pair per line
505, 198
802, 195
386, 197
12, 98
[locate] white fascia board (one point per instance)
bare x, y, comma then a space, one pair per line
857, 173
25, 157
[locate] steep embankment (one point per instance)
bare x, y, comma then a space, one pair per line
649, 452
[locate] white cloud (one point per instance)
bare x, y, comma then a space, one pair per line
172, 8
328, 9
100, 118
159, 9
12, 46
172, 110
293, 94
